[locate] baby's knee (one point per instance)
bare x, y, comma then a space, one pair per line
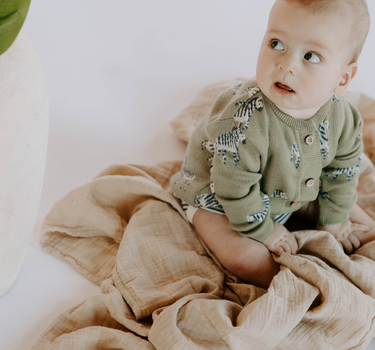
246, 262
252, 263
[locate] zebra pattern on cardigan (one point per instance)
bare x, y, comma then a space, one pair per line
324, 195
350, 172
279, 193
212, 188
323, 138
251, 91
262, 215
235, 88
243, 114
229, 141
186, 176
210, 147
295, 152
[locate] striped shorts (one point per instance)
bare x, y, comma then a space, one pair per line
190, 211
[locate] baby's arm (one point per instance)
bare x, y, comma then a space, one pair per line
339, 179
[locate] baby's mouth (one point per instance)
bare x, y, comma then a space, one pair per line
284, 87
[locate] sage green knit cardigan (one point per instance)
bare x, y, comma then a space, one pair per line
251, 161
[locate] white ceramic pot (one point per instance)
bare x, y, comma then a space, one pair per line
24, 116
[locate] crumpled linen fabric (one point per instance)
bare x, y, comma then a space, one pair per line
161, 287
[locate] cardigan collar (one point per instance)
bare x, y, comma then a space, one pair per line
300, 124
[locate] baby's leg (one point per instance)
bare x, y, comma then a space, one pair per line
246, 258
359, 216
309, 211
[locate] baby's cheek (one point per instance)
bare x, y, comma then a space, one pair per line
317, 91
263, 76
263, 68
260, 72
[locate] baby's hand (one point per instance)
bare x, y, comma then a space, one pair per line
345, 233
281, 240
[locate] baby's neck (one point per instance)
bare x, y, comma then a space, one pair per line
303, 114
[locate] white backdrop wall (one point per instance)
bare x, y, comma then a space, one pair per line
117, 69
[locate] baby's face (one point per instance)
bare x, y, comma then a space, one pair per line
302, 58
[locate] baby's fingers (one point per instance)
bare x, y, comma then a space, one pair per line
294, 245
354, 240
347, 246
286, 247
289, 245
281, 247
277, 250
359, 228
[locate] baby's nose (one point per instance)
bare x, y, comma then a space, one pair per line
287, 65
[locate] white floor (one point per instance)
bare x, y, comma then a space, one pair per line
118, 72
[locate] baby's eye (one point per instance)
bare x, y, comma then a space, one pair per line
312, 57
277, 45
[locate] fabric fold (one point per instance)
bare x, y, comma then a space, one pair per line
161, 288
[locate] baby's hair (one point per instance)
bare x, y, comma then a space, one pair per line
355, 11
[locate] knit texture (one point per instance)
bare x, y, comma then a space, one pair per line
251, 161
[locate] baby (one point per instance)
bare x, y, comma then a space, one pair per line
287, 142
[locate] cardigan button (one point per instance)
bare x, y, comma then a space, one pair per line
309, 140
310, 182
295, 204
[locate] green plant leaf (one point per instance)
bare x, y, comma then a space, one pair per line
12, 16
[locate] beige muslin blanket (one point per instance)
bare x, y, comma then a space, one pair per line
162, 289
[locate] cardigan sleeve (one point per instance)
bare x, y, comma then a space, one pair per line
235, 183
339, 179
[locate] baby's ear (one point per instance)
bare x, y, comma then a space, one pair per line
347, 75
